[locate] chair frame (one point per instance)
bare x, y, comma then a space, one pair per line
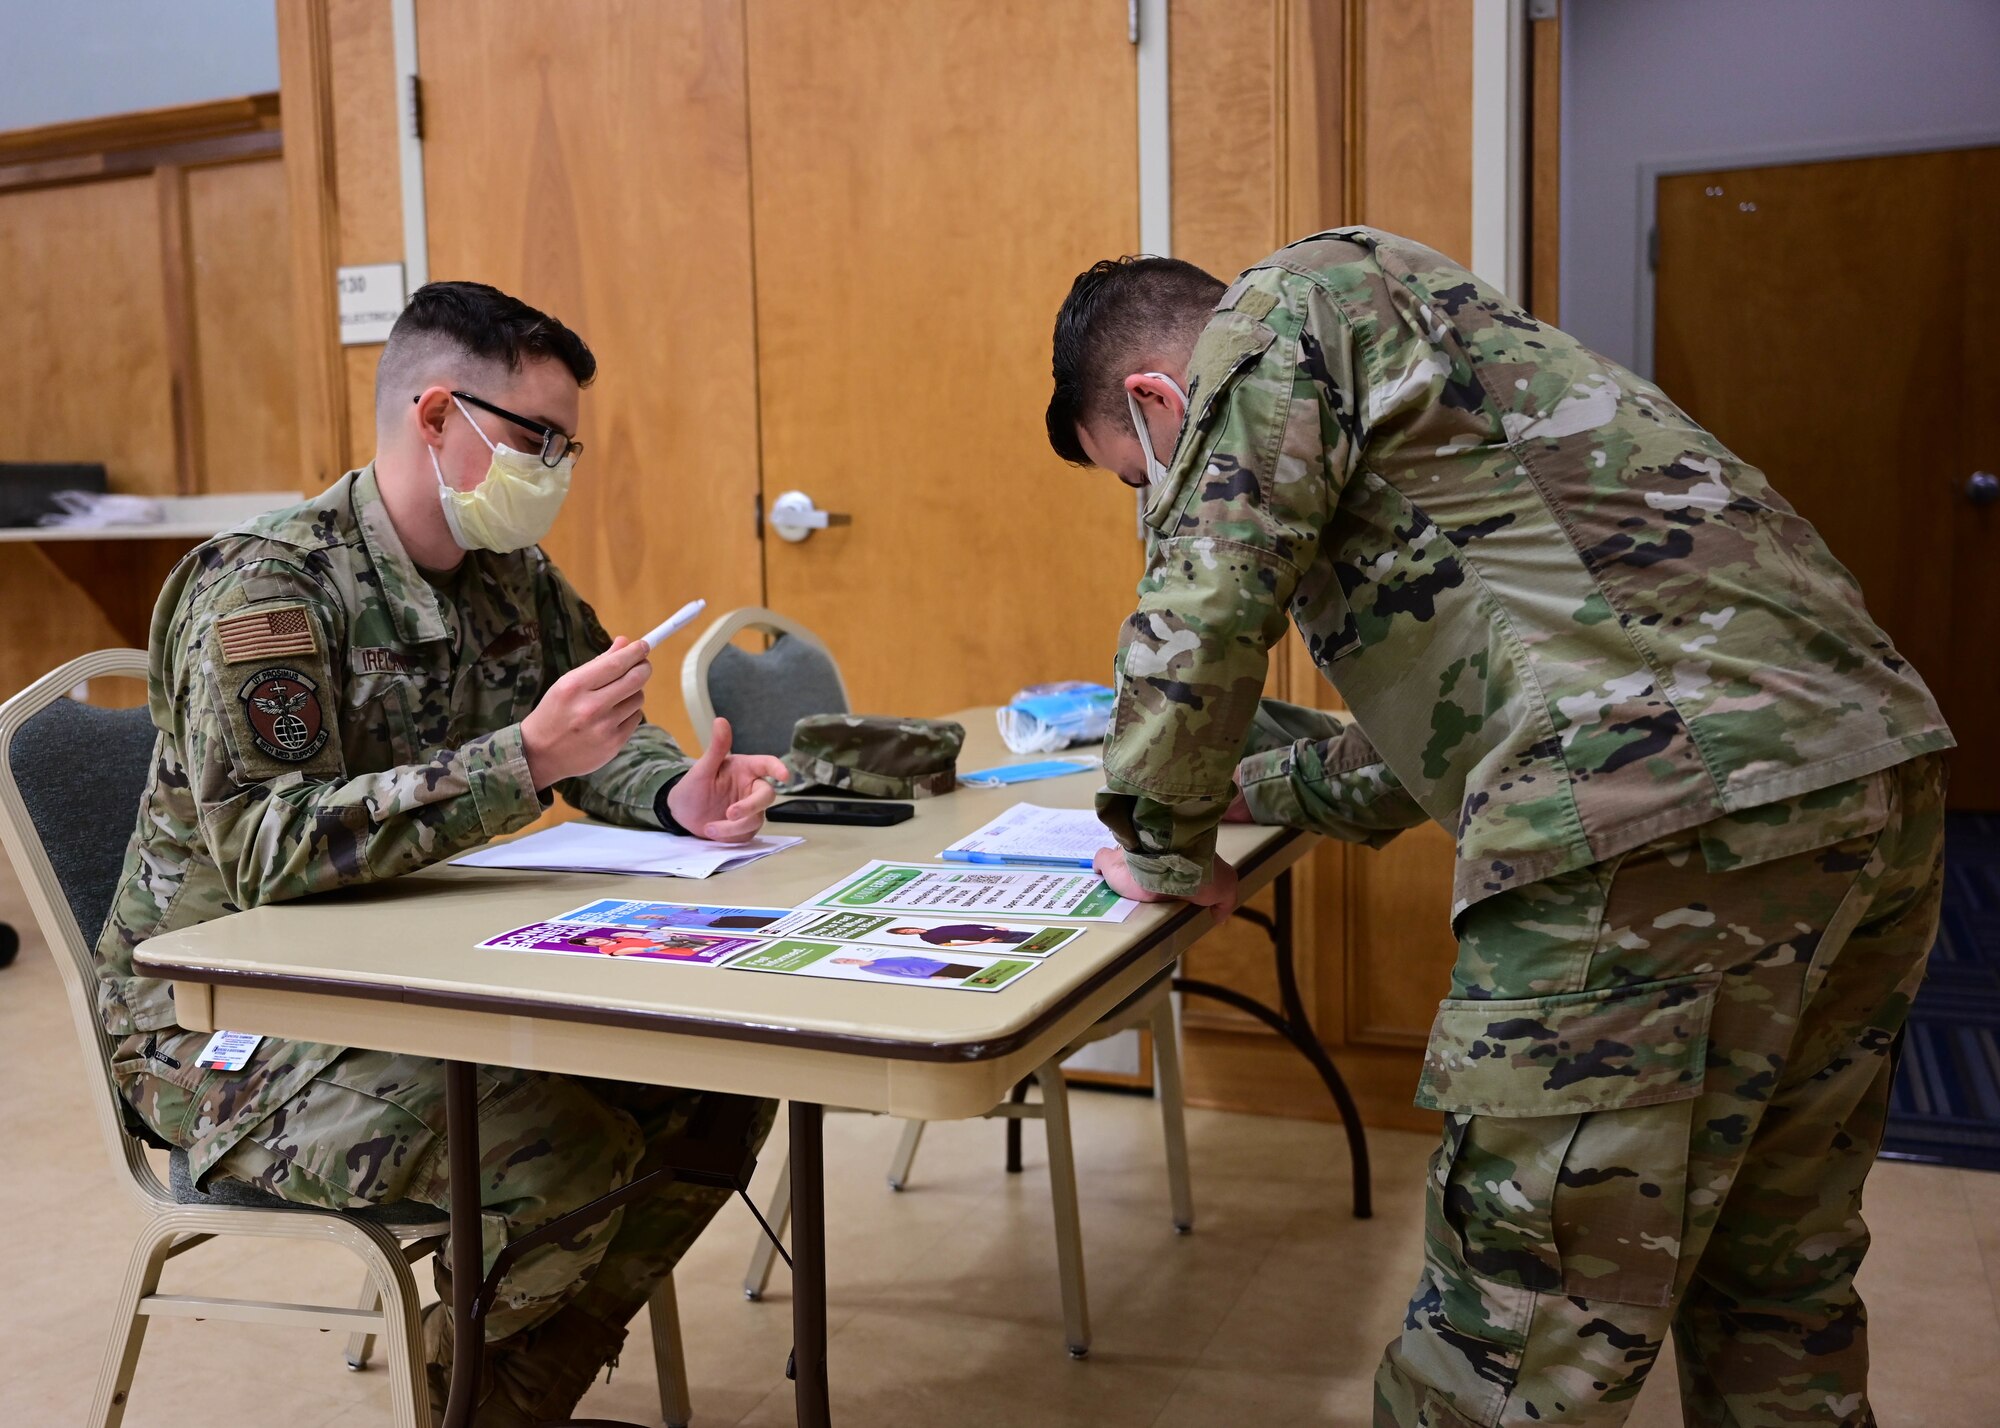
172, 1228
387, 1306
1151, 1006
724, 629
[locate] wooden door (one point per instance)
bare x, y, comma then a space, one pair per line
1832, 323
594, 162
930, 175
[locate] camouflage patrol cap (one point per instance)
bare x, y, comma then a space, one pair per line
877, 756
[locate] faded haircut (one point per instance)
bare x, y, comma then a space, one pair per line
1118, 311
454, 332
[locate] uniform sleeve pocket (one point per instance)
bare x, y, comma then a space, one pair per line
1230, 343
1569, 1124
383, 727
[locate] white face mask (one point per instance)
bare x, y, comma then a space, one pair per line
1156, 469
513, 507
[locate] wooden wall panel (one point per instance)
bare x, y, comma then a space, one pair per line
241, 302
1416, 121
1225, 95
45, 618
144, 264
1412, 175
1318, 96
1401, 947
609, 184
84, 369
312, 202
368, 169
1545, 171
1369, 121
1226, 91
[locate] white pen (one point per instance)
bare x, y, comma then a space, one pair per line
674, 621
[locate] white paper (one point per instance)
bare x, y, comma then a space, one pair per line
961, 889
1028, 830
599, 848
99, 510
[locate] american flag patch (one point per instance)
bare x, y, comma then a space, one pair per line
261, 634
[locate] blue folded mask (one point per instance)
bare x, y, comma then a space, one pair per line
1026, 773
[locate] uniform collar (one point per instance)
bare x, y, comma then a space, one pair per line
496, 590
412, 603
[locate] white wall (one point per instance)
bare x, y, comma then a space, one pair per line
1657, 80
78, 59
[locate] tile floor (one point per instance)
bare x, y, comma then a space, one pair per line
944, 1297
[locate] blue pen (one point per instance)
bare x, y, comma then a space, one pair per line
958, 855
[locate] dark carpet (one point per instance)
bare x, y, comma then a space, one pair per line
1945, 1108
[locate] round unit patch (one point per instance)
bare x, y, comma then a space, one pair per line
282, 707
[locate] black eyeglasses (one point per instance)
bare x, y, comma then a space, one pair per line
555, 444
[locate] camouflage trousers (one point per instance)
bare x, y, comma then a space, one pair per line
1664, 1085
370, 1129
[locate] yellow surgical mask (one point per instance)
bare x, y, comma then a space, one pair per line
513, 507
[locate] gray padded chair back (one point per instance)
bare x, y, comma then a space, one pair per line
81, 771
764, 695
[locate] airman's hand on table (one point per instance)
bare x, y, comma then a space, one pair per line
1218, 894
723, 797
1239, 807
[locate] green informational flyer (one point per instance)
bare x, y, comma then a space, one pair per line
787, 956
848, 962
998, 975
921, 932
973, 893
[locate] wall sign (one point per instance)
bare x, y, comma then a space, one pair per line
371, 298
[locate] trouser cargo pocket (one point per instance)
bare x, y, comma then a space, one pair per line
1568, 1121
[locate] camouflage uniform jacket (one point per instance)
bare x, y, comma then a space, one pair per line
327, 717
1566, 619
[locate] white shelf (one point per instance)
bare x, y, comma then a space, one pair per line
187, 518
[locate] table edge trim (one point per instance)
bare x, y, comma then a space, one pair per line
991, 1049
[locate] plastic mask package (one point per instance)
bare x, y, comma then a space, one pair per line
1045, 717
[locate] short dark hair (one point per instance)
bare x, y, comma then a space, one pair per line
449, 323
1116, 310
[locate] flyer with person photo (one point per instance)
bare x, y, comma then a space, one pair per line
966, 971
908, 930
959, 891
585, 939
617, 912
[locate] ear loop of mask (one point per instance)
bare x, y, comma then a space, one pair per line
1155, 468
442, 483
1156, 471
445, 488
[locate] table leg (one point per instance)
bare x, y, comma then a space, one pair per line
714, 1151
809, 1266
1295, 1026
461, 1132
1018, 1096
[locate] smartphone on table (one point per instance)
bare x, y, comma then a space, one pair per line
840, 810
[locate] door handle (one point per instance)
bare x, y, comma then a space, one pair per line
794, 517
1982, 488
